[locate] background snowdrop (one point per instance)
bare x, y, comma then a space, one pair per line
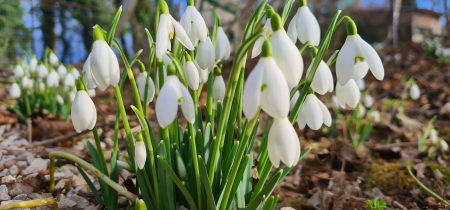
223, 48
414, 92
218, 86
62, 71
348, 94
368, 101
52, 79
194, 24
69, 80
142, 81
323, 79
191, 71
42, 71
304, 25
14, 90
205, 55
53, 59
313, 113
18, 71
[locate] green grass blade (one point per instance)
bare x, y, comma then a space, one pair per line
206, 184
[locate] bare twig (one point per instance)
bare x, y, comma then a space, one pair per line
30, 135
398, 205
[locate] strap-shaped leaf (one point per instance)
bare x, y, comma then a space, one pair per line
215, 26
206, 184
91, 185
112, 26
97, 164
267, 190
286, 10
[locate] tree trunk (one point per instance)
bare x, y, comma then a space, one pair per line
48, 25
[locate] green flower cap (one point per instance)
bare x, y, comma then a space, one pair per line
164, 7
80, 85
141, 66
266, 49
351, 28
171, 69
302, 3
98, 33
188, 57
190, 2
218, 72
275, 22
139, 137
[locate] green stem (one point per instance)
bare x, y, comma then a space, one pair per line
167, 144
194, 157
425, 188
27, 103
237, 162
124, 119
210, 99
100, 150
297, 87
119, 188
30, 204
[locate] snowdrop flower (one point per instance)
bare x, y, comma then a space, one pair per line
18, 71
323, 79
52, 79
361, 84
59, 99
26, 82
142, 81
69, 80
42, 71
414, 92
285, 53
92, 93
33, 64
181, 167
368, 101
433, 136
62, 71
194, 24
191, 71
218, 86
304, 26
205, 54
313, 113
72, 95
335, 102
356, 57
361, 111
223, 48
348, 94
140, 151
376, 116
173, 93
83, 112
203, 74
283, 143
53, 59
101, 67
294, 98
14, 91
166, 28
267, 33
41, 85
444, 145
75, 73
266, 87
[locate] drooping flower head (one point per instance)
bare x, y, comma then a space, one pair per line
33, 64
348, 94
14, 90
218, 86
283, 143
52, 79
53, 59
142, 81
83, 112
285, 53
173, 93
304, 25
223, 47
205, 55
18, 71
323, 79
42, 71
167, 26
140, 151
191, 71
194, 24
313, 113
267, 33
356, 58
102, 66
69, 80
62, 71
414, 92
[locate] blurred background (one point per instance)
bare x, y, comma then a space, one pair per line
66, 25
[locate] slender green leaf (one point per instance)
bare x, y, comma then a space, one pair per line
267, 190
206, 184
91, 185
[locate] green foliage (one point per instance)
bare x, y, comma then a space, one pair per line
376, 204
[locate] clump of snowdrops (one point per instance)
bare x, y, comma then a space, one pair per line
45, 84
209, 164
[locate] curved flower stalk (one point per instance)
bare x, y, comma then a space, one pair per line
33, 64
313, 113
173, 93
218, 86
52, 79
267, 33
304, 25
266, 88
348, 94
14, 90
414, 92
223, 47
69, 81
53, 59
192, 74
42, 71
167, 26
83, 112
18, 71
102, 66
356, 57
205, 54
151, 85
62, 71
285, 53
368, 101
194, 24
283, 143
140, 151
323, 79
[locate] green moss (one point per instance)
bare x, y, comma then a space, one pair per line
388, 177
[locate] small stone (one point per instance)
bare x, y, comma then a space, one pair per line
2, 167
58, 176
30, 159
82, 203
22, 164
34, 196
34, 180
4, 196
287, 208
40, 163
9, 163
430, 201
30, 170
14, 170
21, 143
67, 204
21, 197
122, 202
16, 191
8, 179
62, 184
92, 207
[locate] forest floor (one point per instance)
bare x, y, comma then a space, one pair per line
333, 175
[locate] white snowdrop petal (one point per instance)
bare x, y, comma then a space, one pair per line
100, 66
345, 62
313, 113
141, 154
202, 73
292, 29
271, 149
307, 26
275, 98
186, 20
192, 76
200, 25
320, 83
162, 38
182, 36
219, 88
114, 68
284, 135
360, 70
83, 112
326, 113
252, 91
14, 90
372, 58
294, 99
204, 55
167, 104
257, 47
90, 80
187, 104
222, 50
414, 92
301, 120
287, 57
62, 71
